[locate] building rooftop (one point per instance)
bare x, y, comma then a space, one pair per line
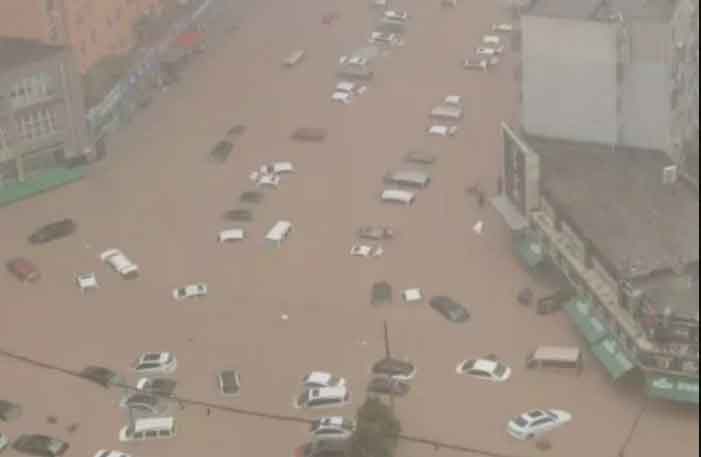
617, 199
19, 51
603, 10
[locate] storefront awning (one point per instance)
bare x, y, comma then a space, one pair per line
591, 328
674, 388
610, 355
531, 252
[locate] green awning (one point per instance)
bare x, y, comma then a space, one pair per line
38, 183
614, 359
531, 252
591, 328
674, 388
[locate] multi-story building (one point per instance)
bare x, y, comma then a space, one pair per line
42, 112
609, 102
622, 71
93, 29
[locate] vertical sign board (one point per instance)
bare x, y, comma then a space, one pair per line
521, 173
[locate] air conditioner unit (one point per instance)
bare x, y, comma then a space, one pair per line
670, 174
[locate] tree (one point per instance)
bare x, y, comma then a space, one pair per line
377, 432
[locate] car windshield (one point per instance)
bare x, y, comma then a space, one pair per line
334, 380
521, 422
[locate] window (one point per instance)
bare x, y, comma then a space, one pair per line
151, 434
37, 124
31, 90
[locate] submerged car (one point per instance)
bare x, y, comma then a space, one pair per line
162, 387
239, 215
375, 233
156, 362
332, 427
53, 231
487, 369
222, 150
317, 379
4, 442
191, 291
40, 445
394, 368
450, 309
143, 403
120, 263
537, 422
23, 269
229, 383
104, 453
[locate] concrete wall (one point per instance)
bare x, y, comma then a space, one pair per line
647, 110
569, 79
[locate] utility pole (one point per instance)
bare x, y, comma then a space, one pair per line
388, 355
634, 428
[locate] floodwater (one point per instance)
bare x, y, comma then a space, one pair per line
159, 199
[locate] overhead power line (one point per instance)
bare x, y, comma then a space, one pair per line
239, 411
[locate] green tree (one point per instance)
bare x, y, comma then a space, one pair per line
377, 431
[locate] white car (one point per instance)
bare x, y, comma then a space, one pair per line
489, 52
333, 427
353, 60
342, 97
86, 281
388, 39
233, 234
442, 130
317, 379
491, 40
120, 263
502, 28
453, 100
191, 291
103, 453
266, 180
351, 88
394, 15
156, 363
277, 168
537, 422
362, 250
475, 64
489, 370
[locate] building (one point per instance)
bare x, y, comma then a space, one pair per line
42, 113
93, 29
623, 231
624, 72
591, 184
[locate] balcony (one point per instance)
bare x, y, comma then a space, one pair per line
605, 294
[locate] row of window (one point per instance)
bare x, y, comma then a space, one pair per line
37, 124
32, 90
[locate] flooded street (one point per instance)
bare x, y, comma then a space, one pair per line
159, 198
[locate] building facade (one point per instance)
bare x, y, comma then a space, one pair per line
42, 112
93, 29
626, 76
625, 239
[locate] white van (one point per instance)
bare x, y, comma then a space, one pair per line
409, 178
234, 234
324, 397
398, 196
446, 111
279, 232
146, 429
555, 357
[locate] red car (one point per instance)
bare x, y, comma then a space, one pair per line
23, 269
